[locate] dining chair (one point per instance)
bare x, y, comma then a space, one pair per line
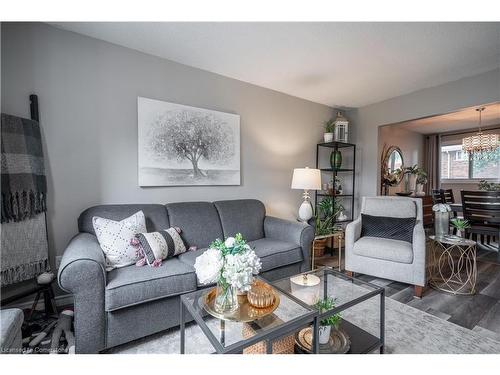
437, 197
482, 210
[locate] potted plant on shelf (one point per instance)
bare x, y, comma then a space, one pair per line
328, 209
326, 325
460, 225
329, 129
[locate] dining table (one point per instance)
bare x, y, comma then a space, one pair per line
456, 207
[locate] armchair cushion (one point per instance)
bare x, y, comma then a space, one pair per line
394, 228
133, 285
385, 249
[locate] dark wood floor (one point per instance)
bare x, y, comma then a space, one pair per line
480, 312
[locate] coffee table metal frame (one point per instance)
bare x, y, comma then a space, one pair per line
377, 291
453, 265
281, 330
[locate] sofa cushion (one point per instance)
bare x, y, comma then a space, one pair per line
385, 249
156, 215
245, 216
199, 222
189, 258
272, 253
134, 285
275, 253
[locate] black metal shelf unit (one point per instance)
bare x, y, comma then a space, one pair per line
348, 174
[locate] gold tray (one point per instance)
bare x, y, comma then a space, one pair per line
245, 312
339, 342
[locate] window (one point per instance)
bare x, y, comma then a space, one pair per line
488, 167
456, 164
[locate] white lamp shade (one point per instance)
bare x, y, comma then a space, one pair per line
306, 179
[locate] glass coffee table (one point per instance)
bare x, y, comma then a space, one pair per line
236, 337
361, 305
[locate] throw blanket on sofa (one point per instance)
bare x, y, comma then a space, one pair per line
23, 200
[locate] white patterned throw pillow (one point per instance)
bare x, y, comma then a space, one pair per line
114, 238
154, 247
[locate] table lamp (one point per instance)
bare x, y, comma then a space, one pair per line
306, 179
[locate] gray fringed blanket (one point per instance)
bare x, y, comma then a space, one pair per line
23, 200
24, 185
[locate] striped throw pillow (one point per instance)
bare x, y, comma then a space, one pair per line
153, 247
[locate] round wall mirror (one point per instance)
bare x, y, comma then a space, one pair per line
394, 160
391, 166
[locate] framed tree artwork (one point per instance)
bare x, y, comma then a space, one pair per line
181, 145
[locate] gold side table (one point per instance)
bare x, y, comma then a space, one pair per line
339, 235
453, 267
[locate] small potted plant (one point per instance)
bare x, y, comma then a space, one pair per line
421, 181
326, 325
329, 129
460, 225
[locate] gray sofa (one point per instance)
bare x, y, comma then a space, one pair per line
127, 303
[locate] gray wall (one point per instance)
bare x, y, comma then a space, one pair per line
411, 144
88, 101
466, 92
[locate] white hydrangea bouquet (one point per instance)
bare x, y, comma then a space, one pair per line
232, 264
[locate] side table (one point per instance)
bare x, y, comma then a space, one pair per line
453, 267
337, 234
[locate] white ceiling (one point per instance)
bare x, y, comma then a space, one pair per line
467, 118
337, 64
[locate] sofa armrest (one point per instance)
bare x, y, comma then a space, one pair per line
419, 255
352, 234
82, 272
291, 231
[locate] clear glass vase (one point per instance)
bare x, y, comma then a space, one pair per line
226, 298
441, 223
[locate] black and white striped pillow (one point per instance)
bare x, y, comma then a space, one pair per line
153, 247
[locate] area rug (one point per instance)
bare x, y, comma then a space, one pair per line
408, 331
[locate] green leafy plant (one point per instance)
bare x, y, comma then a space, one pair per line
329, 126
488, 186
460, 224
327, 304
329, 208
421, 177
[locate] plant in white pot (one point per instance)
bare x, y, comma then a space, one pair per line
460, 225
329, 129
421, 181
325, 326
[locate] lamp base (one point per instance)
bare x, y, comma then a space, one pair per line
305, 211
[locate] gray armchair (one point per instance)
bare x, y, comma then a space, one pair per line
387, 258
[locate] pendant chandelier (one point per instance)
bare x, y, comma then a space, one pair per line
480, 144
